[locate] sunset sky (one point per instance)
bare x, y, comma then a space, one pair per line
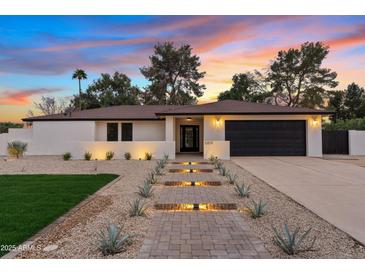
39, 53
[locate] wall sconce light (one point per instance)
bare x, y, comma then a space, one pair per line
218, 121
315, 122
188, 119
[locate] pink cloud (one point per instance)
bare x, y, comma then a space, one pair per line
22, 97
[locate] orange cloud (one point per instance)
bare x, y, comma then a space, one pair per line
22, 97
354, 38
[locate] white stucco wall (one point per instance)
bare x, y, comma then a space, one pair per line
142, 130
214, 128
99, 149
356, 142
60, 131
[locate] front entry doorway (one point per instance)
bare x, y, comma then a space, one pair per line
189, 138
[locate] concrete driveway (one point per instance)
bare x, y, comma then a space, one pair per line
333, 190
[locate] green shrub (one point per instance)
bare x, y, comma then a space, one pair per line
67, 156
258, 210
291, 242
111, 241
148, 156
350, 124
127, 156
88, 155
109, 155
137, 208
17, 148
242, 190
146, 190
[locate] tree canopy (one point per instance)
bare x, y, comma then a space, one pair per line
109, 90
297, 77
173, 75
348, 103
246, 87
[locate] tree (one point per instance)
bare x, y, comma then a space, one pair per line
109, 90
4, 126
246, 87
79, 74
348, 103
173, 75
49, 106
297, 78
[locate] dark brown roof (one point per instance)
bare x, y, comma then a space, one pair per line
239, 107
124, 112
154, 112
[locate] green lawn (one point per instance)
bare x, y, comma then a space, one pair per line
30, 202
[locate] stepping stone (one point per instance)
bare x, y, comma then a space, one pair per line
50, 248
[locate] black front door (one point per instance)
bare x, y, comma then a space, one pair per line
189, 138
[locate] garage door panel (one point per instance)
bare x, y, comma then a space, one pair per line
266, 138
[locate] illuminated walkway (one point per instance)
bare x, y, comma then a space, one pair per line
198, 221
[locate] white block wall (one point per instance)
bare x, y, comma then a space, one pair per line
356, 142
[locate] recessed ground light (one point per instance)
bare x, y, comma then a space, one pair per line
200, 207
186, 170
192, 183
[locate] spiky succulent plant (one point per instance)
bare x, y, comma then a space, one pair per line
232, 178
137, 208
151, 178
293, 242
243, 190
258, 209
112, 241
145, 190
223, 171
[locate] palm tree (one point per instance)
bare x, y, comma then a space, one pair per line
80, 75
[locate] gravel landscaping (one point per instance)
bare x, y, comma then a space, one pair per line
331, 242
77, 237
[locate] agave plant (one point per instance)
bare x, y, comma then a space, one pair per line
137, 208
217, 164
242, 190
151, 178
17, 148
146, 190
223, 171
212, 159
112, 241
292, 242
165, 158
258, 210
232, 178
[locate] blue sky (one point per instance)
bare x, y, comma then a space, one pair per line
39, 53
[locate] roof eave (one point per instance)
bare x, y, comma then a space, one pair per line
250, 113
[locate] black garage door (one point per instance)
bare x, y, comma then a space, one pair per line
266, 138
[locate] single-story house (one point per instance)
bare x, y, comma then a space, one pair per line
223, 129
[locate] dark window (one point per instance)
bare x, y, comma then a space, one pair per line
112, 131
127, 131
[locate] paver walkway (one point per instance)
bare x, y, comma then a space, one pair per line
199, 234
